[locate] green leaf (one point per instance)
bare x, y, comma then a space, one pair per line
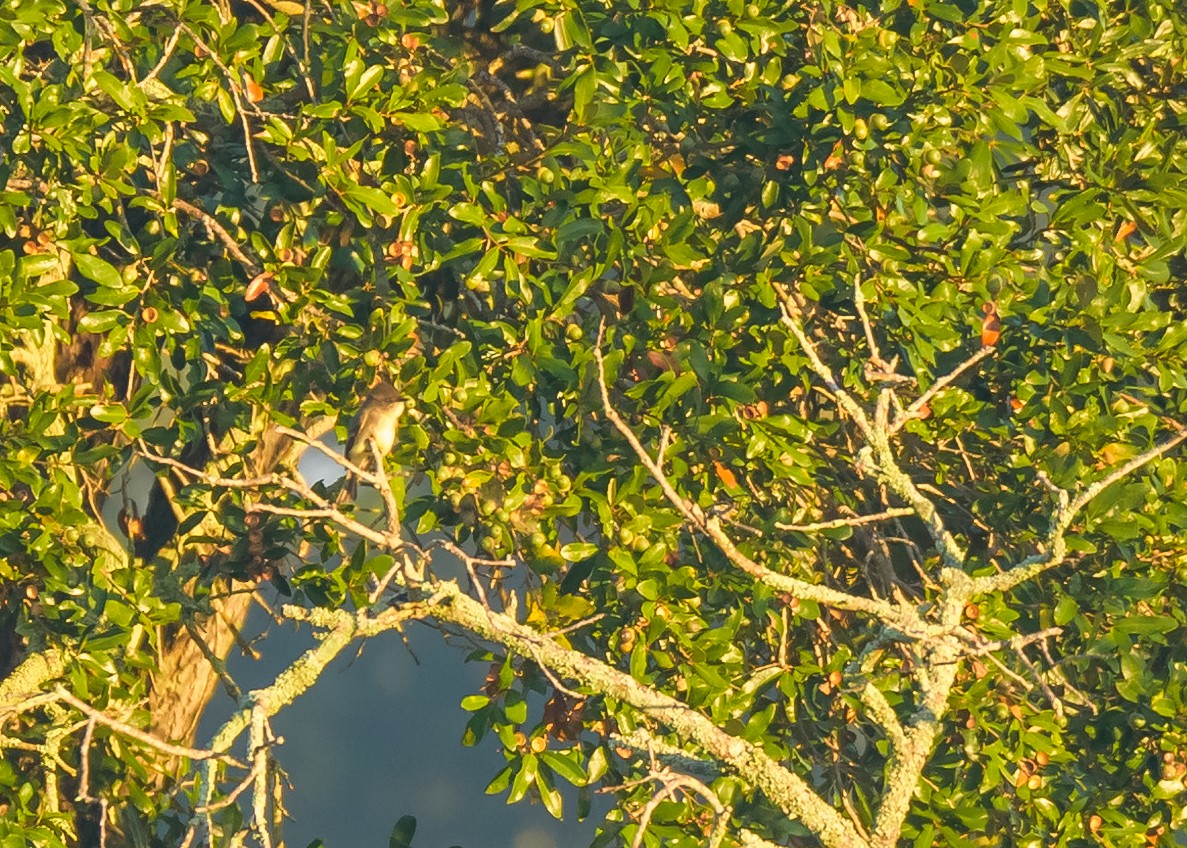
473, 703
367, 80
569, 29
566, 764
99, 270
578, 551
402, 833
111, 413
372, 198
102, 322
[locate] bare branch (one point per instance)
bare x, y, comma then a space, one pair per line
877, 455
897, 512
219, 231
166, 54
908, 758
230, 797
324, 509
844, 399
1052, 698
670, 783
385, 490
260, 766
914, 410
981, 647
859, 301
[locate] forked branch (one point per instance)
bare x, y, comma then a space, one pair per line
1054, 546
877, 453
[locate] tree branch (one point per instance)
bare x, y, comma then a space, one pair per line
344, 627
877, 454
785, 789
896, 512
1053, 548
711, 527
125, 729
938, 386
219, 231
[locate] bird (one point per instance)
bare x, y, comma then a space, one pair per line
377, 423
991, 325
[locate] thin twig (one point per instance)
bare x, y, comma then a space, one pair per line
324, 509
84, 765
896, 512
389, 497
217, 229
236, 95
877, 454
216, 662
1052, 698
170, 45
982, 647
1053, 667
1009, 672
671, 783
302, 66
859, 301
228, 799
577, 625
914, 410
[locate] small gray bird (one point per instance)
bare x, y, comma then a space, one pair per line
377, 423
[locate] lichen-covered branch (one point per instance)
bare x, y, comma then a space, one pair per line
782, 787
28, 678
914, 748
1053, 549
343, 628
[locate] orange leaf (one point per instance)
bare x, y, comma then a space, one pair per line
258, 285
991, 325
1125, 230
254, 93
727, 476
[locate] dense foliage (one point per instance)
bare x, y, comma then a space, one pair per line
781, 224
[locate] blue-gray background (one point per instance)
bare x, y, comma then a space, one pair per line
379, 737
